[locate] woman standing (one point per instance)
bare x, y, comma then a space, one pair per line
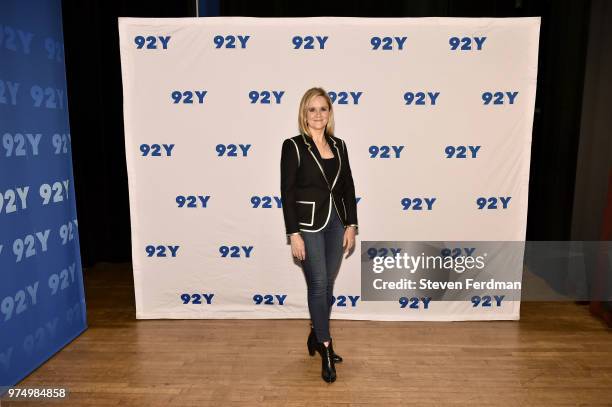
320, 211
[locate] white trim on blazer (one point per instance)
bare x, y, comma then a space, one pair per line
311, 216
326, 220
296, 150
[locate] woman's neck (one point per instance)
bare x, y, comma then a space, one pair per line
317, 135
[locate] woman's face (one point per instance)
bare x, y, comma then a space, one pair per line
317, 113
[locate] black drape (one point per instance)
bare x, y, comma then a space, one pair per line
594, 164
95, 101
93, 71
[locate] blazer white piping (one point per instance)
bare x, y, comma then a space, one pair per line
296, 150
331, 198
311, 216
326, 220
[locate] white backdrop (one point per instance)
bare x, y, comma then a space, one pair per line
225, 147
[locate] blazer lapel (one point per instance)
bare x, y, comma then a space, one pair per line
329, 138
314, 156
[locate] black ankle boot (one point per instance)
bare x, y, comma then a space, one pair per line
337, 358
328, 367
312, 346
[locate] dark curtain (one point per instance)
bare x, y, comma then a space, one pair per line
595, 151
95, 101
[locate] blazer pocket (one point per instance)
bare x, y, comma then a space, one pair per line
305, 212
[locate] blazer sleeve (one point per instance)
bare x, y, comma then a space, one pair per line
289, 167
349, 192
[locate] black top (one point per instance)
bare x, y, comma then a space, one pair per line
330, 166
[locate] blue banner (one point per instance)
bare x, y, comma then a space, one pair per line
42, 302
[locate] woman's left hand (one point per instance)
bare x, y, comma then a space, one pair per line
349, 240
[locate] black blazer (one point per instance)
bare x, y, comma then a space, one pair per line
308, 197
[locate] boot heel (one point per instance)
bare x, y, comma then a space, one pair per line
311, 348
311, 343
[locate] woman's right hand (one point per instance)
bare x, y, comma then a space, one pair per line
297, 247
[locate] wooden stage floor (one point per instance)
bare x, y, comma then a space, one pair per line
557, 355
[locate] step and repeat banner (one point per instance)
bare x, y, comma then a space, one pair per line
42, 303
436, 114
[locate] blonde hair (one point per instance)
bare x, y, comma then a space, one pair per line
308, 96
